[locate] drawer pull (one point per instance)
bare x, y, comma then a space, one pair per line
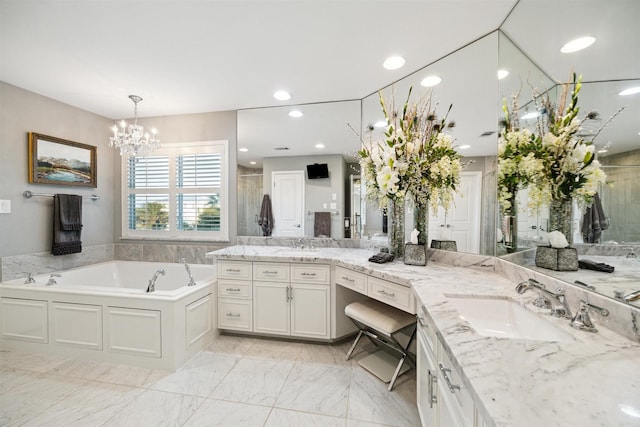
308, 274
348, 279
387, 294
269, 272
433, 399
233, 289
232, 315
422, 322
445, 372
233, 270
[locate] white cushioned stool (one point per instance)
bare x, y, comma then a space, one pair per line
380, 322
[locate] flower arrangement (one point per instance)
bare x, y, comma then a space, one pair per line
554, 162
416, 158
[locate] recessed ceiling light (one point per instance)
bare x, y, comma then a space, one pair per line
282, 95
393, 62
530, 116
295, 113
380, 124
430, 81
578, 44
502, 74
319, 145
630, 91
252, 163
464, 147
244, 150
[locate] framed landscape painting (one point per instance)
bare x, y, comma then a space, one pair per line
57, 161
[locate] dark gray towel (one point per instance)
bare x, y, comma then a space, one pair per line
322, 224
266, 216
67, 223
594, 221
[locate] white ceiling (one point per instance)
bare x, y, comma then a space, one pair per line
204, 55
198, 56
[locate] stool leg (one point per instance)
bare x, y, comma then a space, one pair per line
396, 373
353, 346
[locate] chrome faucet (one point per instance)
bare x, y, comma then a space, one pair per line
29, 279
152, 282
191, 281
301, 243
633, 296
582, 320
557, 301
52, 280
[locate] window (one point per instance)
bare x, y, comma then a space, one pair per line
177, 192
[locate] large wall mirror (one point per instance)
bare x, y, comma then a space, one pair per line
527, 47
608, 67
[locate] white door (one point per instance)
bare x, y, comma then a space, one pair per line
462, 223
288, 203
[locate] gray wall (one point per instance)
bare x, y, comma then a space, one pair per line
27, 229
317, 191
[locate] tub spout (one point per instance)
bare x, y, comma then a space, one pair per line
186, 266
152, 282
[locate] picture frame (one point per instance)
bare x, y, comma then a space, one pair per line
57, 161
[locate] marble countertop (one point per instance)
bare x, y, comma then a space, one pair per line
592, 380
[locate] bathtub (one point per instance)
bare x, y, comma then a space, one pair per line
103, 312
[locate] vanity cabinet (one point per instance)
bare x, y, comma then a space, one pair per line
275, 298
442, 397
294, 302
235, 293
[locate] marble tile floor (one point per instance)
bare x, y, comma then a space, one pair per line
235, 382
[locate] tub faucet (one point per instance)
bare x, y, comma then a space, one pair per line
191, 281
52, 279
29, 279
557, 301
152, 282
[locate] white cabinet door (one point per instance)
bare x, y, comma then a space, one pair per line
271, 308
310, 311
427, 386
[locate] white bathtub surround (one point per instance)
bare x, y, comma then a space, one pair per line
103, 312
587, 380
49, 398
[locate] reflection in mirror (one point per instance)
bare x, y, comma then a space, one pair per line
616, 142
272, 140
471, 222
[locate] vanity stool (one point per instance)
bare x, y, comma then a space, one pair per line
381, 323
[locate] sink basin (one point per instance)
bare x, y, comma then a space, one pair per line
504, 318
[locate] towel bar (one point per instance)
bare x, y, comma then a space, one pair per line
332, 212
28, 194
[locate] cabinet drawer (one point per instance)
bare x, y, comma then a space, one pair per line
351, 279
235, 314
234, 289
271, 271
391, 293
310, 273
234, 270
460, 398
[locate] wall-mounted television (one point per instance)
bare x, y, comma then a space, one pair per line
317, 171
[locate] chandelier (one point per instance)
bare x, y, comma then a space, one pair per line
132, 139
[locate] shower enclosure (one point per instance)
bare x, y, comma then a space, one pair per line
249, 204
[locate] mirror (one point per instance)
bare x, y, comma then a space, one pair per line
541, 62
473, 103
272, 139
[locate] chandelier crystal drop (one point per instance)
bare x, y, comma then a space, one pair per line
132, 139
